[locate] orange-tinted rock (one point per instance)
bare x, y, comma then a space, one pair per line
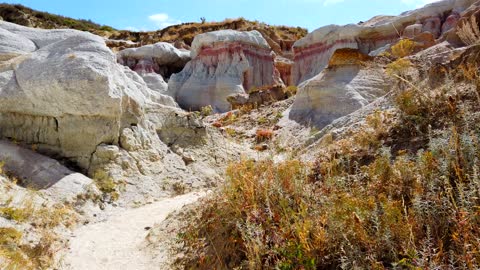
424, 40
412, 30
343, 57
284, 67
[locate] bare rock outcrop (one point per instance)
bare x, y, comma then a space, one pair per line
160, 58
155, 63
223, 63
284, 67
331, 65
350, 82
44, 174
313, 52
64, 91
259, 97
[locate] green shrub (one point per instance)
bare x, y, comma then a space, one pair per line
107, 185
206, 111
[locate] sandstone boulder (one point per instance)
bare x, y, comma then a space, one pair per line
223, 63
258, 97
349, 83
41, 173
64, 91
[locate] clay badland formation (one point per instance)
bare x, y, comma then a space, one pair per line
239, 145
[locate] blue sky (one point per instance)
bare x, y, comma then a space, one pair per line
155, 14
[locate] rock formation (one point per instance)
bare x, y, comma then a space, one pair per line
223, 63
154, 63
331, 88
41, 173
313, 52
63, 90
161, 58
257, 98
348, 84
284, 67
63, 93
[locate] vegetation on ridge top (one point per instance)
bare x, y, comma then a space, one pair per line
280, 38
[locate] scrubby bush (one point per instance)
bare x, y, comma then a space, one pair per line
400, 193
291, 90
263, 135
206, 111
403, 48
469, 31
106, 184
399, 67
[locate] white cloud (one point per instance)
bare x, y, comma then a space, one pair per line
162, 20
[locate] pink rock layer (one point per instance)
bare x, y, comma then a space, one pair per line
313, 52
151, 65
284, 67
221, 69
261, 70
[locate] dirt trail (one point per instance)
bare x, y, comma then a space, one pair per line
117, 242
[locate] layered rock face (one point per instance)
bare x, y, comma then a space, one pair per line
64, 91
330, 63
42, 173
349, 83
313, 52
223, 63
284, 67
161, 58
154, 63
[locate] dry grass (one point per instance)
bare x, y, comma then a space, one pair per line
17, 14
18, 250
399, 67
469, 31
403, 48
231, 117
107, 185
373, 200
16, 253
186, 32
291, 90
263, 135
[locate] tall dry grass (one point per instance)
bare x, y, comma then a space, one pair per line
402, 192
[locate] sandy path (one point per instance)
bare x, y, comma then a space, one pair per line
117, 242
